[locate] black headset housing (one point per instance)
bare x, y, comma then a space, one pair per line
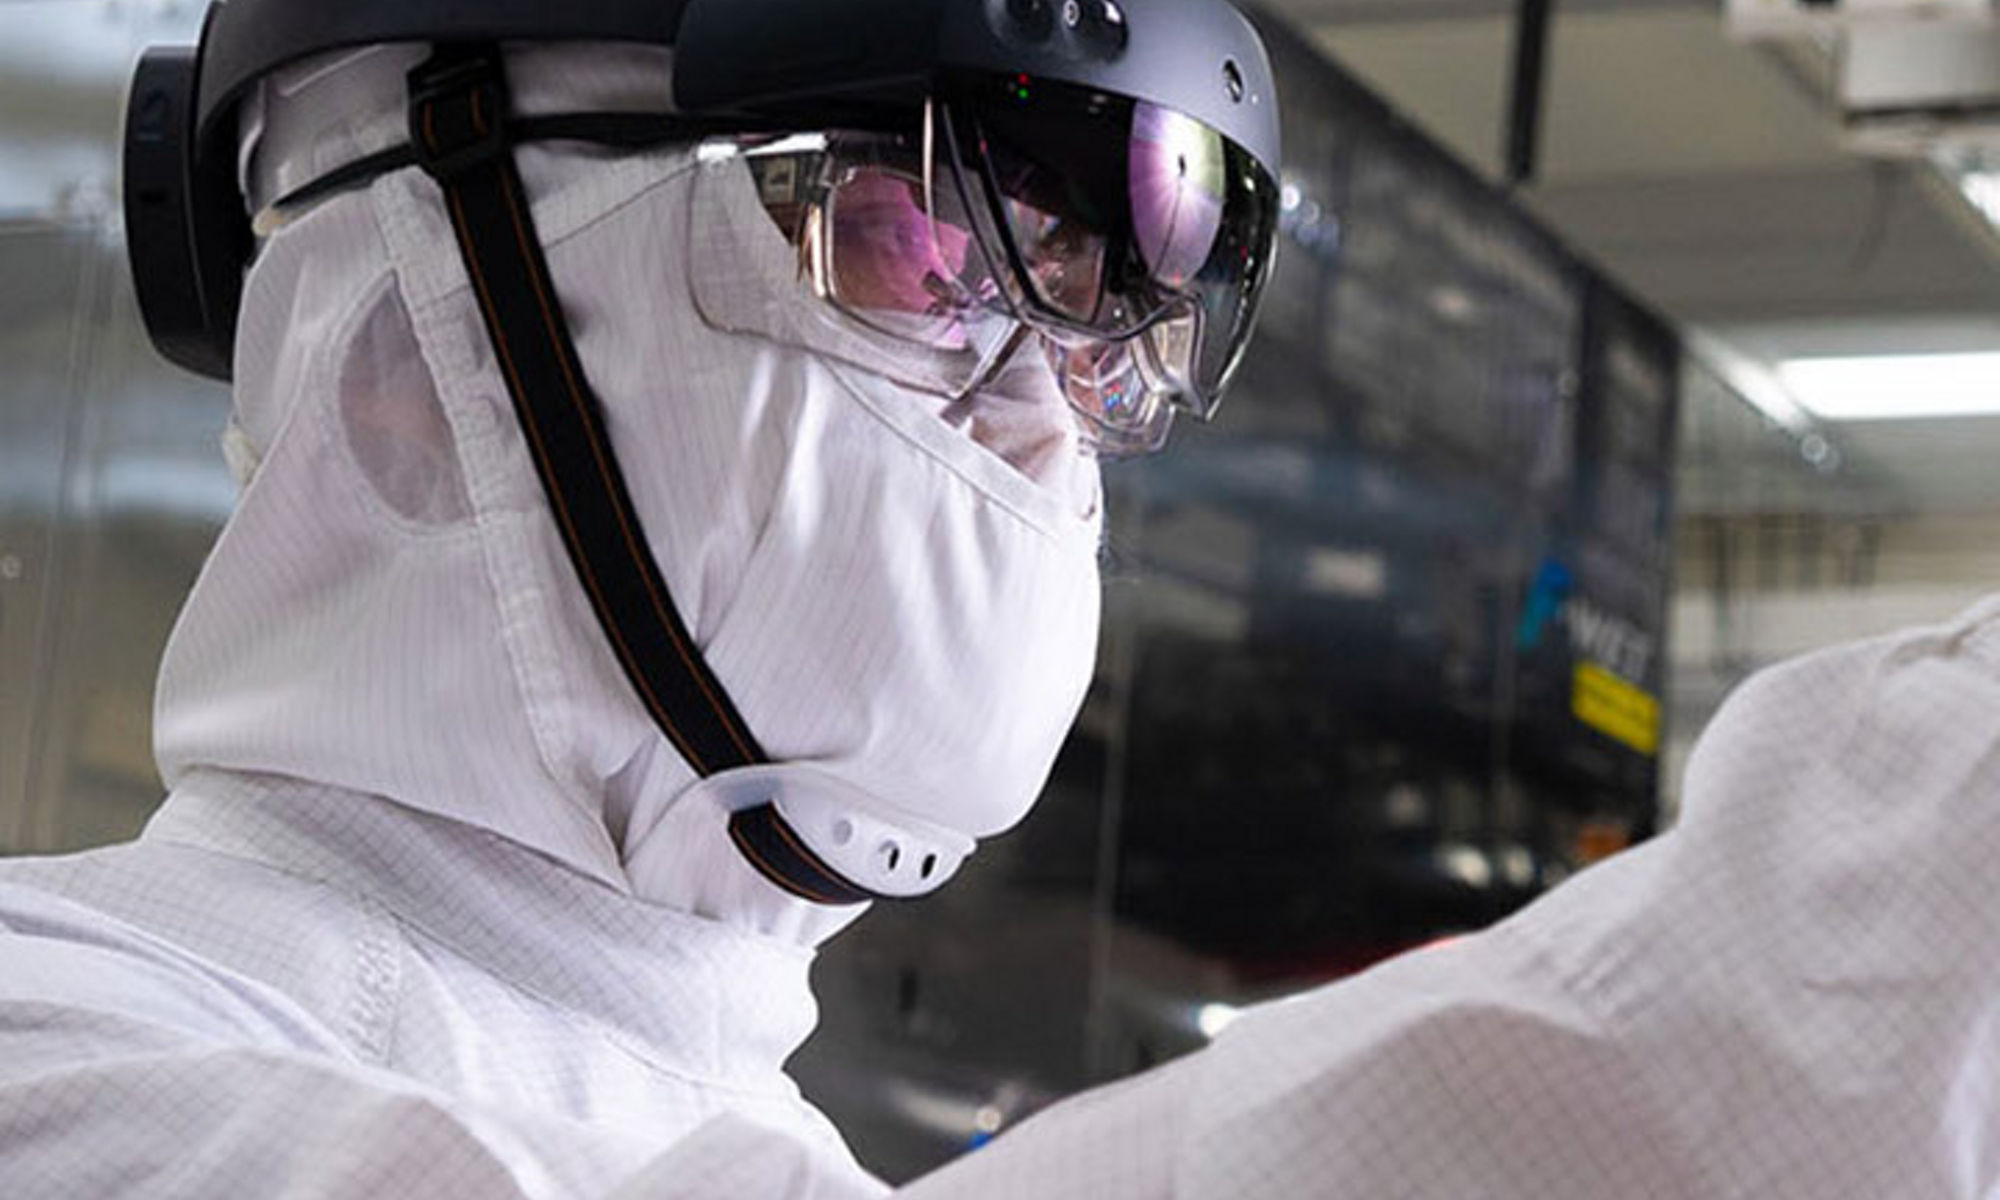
820, 63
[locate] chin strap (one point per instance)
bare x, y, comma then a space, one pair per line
461, 135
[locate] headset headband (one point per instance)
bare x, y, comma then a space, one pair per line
822, 63
245, 40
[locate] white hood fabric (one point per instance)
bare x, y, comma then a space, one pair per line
279, 991
905, 621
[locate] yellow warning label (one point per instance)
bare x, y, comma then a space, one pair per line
1616, 708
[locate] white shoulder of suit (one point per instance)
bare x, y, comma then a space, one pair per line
1792, 994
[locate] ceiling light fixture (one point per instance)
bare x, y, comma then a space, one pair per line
1982, 189
1896, 386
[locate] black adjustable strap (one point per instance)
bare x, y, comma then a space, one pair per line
773, 847
461, 136
458, 124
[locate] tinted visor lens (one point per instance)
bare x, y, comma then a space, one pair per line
888, 261
1115, 216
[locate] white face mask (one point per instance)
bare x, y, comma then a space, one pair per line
906, 621
912, 625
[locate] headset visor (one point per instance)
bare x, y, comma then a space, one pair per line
1131, 241
1103, 218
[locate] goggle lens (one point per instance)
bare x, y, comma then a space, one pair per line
1132, 239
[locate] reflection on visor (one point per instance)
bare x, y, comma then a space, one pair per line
1177, 193
1064, 258
1123, 410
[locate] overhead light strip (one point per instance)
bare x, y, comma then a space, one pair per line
1982, 189
1895, 387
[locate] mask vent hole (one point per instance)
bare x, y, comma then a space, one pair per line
929, 866
891, 855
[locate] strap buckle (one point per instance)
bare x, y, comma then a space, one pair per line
459, 110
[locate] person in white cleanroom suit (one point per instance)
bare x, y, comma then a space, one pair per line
432, 908
431, 911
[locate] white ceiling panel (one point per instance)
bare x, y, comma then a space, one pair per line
1630, 93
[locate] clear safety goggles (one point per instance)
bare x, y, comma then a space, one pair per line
1128, 241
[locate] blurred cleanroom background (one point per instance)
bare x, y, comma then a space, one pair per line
1537, 456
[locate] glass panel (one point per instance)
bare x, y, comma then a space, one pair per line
39, 331
110, 482
147, 493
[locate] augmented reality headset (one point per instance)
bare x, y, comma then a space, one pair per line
764, 63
